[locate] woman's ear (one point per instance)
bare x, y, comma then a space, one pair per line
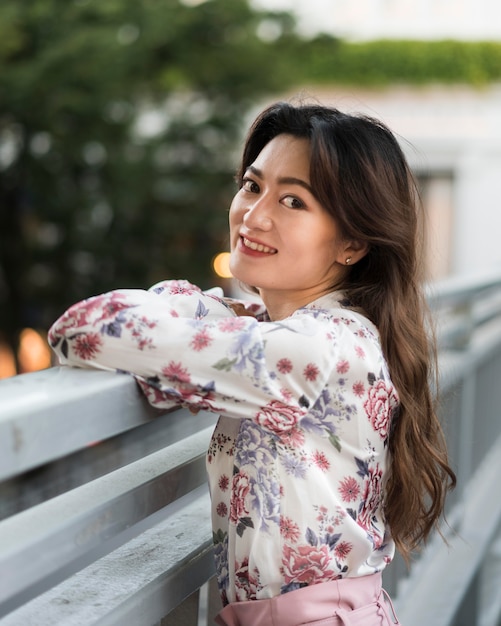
352, 251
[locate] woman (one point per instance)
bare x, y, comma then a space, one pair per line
328, 452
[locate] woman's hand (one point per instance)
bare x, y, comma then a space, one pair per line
238, 307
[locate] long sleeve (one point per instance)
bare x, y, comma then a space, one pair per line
297, 483
185, 346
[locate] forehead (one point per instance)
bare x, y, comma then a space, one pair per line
285, 155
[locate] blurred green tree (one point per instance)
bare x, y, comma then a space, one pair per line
118, 125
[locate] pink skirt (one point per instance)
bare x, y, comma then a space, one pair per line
345, 602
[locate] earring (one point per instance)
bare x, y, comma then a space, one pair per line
348, 260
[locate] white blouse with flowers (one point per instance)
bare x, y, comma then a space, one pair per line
299, 457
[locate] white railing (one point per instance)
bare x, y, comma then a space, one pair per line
104, 507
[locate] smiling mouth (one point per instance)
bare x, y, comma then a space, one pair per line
258, 247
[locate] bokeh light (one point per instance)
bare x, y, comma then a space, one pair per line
221, 265
34, 353
7, 362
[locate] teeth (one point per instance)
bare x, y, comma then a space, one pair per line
257, 246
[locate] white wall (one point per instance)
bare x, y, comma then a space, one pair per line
477, 239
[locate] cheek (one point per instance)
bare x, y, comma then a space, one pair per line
326, 252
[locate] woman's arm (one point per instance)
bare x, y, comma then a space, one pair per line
188, 347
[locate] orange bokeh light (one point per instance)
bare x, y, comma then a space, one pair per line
34, 353
7, 362
221, 265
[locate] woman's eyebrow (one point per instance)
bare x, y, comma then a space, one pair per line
284, 180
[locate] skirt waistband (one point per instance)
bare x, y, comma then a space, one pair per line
343, 602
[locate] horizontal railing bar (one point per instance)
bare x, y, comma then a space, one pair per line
49, 414
29, 489
62, 529
459, 289
453, 365
138, 583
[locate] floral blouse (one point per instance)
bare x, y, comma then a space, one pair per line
299, 457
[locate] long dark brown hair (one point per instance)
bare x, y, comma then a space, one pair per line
360, 175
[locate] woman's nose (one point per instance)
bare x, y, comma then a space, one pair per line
257, 216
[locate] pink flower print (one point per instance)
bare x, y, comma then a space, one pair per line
360, 352
112, 307
278, 417
231, 324
371, 496
306, 564
349, 489
201, 340
222, 509
321, 461
342, 367
224, 482
284, 366
358, 388
289, 529
247, 583
173, 313
343, 549
87, 345
379, 407
108, 305
293, 437
176, 372
286, 394
181, 287
322, 513
240, 490
311, 372
73, 318
145, 343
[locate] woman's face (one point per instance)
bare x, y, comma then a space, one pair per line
282, 239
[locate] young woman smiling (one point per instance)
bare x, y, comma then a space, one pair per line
328, 452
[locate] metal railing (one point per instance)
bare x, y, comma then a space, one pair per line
104, 510
458, 582
102, 496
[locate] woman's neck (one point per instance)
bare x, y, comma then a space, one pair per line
280, 305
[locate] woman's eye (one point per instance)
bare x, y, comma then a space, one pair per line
293, 203
250, 185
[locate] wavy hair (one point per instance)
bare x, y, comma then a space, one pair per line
360, 175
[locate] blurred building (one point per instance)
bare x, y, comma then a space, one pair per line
397, 19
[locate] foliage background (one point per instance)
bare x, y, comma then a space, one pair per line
90, 197
120, 123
